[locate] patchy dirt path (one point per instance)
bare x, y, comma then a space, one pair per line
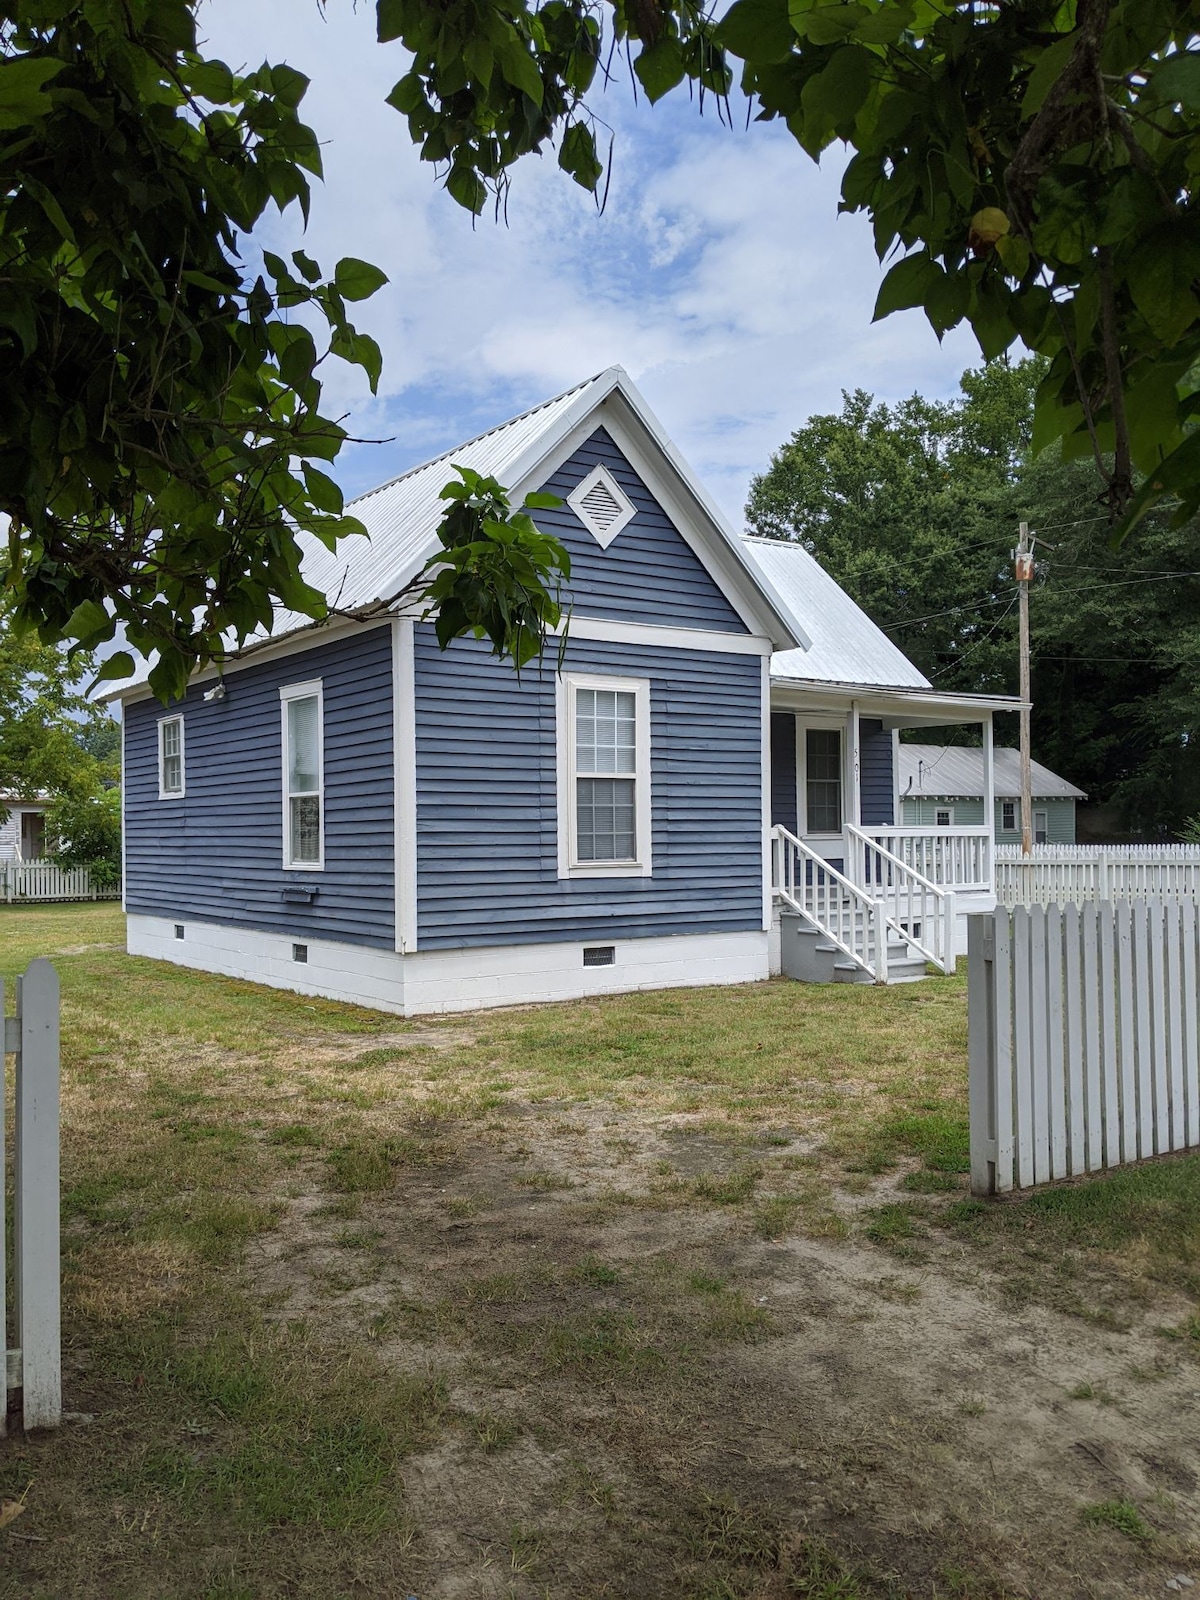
654, 1400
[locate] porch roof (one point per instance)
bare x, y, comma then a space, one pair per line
895, 706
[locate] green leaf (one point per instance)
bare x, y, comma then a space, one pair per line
1178, 79
577, 155
90, 623
119, 665
323, 491
542, 500
758, 30
1162, 279
826, 24
1046, 69
357, 280
520, 69
659, 68
22, 84
391, 19
913, 281
467, 188
306, 266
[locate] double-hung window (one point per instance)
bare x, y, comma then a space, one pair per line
942, 817
303, 776
604, 776
1008, 816
170, 759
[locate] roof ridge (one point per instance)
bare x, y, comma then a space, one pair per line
464, 444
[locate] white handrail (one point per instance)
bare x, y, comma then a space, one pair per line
913, 901
849, 918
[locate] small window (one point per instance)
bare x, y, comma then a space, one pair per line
303, 776
170, 759
604, 776
943, 819
1041, 828
1008, 816
823, 780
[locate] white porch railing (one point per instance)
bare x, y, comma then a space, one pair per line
919, 910
951, 858
849, 917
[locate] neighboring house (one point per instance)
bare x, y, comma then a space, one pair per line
941, 786
350, 812
23, 829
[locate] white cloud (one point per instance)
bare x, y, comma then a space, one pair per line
720, 274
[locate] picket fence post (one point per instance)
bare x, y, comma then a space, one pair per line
981, 1051
34, 1365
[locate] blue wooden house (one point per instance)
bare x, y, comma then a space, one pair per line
704, 793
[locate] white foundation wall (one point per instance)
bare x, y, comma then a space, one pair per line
452, 980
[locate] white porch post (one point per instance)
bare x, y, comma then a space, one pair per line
989, 803
853, 810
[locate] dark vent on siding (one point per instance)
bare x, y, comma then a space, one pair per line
602, 506
179, 930
299, 952
599, 955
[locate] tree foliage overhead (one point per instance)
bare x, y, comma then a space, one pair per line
1031, 164
914, 510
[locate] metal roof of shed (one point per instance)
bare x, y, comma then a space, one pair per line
948, 770
846, 646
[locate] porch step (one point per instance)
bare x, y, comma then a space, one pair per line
809, 957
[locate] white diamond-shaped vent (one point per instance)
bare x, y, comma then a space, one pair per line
601, 505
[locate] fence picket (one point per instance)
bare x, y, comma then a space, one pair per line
1188, 981
1107, 1000
1054, 1039
1144, 1069
1158, 1028
1035, 1022
1004, 1093
1023, 1053
36, 1189
1064, 874
1089, 998
1174, 1029
1073, 1043
1125, 985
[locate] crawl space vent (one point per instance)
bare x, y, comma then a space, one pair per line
599, 955
601, 505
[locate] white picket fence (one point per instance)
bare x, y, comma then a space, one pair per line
1084, 1044
1075, 874
34, 1356
45, 880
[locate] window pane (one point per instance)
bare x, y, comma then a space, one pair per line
605, 730
605, 810
823, 765
302, 746
172, 757
306, 828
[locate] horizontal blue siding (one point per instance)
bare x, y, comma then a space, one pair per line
216, 855
875, 765
648, 573
783, 770
487, 829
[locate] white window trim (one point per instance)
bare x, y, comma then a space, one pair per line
949, 810
181, 792
568, 864
302, 691
603, 536
825, 725
1014, 806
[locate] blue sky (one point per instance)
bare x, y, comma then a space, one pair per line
719, 276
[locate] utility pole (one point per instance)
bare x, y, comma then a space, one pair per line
1023, 561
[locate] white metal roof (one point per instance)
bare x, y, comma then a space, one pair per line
947, 770
846, 646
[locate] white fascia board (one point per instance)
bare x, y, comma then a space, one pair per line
270, 649
609, 630
923, 705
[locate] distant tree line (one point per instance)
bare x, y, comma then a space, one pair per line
914, 509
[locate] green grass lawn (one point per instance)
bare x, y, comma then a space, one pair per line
357, 1306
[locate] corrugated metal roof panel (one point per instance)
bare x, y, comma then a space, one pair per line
847, 647
401, 516
946, 770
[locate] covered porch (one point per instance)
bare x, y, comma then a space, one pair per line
888, 896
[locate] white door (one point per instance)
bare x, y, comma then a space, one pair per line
821, 786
